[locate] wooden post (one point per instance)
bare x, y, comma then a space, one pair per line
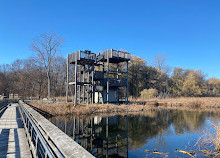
127, 133
88, 88
79, 89
117, 71
67, 78
75, 99
127, 84
83, 83
107, 77
103, 77
117, 81
106, 137
65, 126
74, 127
91, 134
92, 83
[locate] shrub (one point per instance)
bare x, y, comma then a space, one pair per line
148, 93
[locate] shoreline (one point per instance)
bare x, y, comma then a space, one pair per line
62, 108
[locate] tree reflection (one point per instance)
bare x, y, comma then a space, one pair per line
114, 136
187, 121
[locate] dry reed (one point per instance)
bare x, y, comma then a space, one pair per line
61, 108
190, 102
209, 142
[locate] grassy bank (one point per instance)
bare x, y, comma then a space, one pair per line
190, 102
61, 108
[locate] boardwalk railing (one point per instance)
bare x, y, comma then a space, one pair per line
45, 139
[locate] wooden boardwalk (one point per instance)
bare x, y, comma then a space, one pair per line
13, 141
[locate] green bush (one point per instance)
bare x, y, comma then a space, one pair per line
149, 93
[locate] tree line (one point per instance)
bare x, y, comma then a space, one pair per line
154, 81
44, 75
29, 79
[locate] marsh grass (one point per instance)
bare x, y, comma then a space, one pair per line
209, 142
61, 107
190, 102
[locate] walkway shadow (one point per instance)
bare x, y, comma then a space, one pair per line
17, 147
4, 142
1, 113
18, 118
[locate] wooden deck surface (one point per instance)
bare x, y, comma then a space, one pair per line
13, 141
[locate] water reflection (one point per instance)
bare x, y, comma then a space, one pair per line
117, 136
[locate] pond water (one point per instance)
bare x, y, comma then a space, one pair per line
166, 132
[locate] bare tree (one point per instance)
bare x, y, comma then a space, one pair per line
46, 46
159, 62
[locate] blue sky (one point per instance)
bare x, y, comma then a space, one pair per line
188, 31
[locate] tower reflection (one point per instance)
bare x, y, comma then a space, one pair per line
115, 136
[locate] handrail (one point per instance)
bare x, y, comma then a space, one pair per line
85, 55
47, 140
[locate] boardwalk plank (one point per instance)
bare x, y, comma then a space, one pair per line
13, 141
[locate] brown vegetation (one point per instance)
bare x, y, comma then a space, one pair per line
61, 108
188, 102
209, 143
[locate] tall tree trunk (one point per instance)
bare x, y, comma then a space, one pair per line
48, 77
